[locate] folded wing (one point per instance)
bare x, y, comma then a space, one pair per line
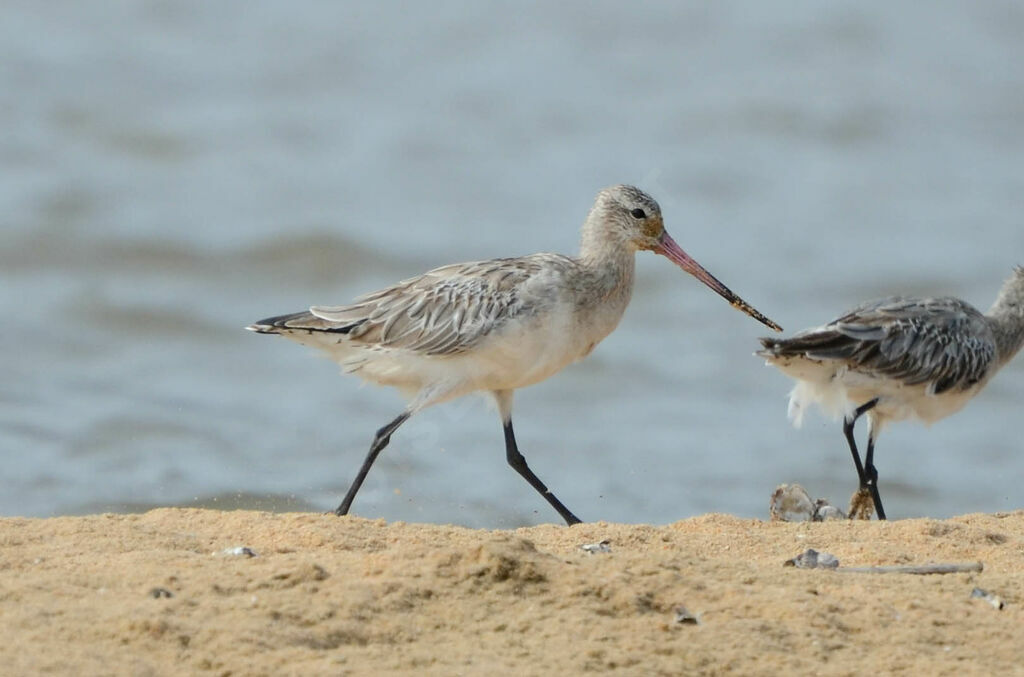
943, 342
443, 312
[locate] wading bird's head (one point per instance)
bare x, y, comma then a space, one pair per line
625, 216
629, 217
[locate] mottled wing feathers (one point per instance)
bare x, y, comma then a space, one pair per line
943, 342
442, 312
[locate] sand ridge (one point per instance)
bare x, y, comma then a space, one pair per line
157, 593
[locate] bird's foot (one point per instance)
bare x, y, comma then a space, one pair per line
861, 505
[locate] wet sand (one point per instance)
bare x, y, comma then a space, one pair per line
160, 593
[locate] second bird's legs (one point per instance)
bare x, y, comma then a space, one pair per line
866, 472
518, 462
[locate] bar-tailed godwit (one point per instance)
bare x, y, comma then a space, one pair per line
897, 358
496, 325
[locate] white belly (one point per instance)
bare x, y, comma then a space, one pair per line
525, 352
838, 391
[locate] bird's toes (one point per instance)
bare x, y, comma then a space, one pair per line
861, 505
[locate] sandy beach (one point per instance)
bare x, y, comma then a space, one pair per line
174, 591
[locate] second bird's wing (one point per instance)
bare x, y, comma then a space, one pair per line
943, 342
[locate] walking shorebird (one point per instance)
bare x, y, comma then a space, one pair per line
495, 325
897, 358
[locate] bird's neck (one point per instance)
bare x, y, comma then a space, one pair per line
1006, 317
601, 242
607, 267
1009, 334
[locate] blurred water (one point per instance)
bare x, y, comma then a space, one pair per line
175, 170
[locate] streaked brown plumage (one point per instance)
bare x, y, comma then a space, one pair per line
496, 325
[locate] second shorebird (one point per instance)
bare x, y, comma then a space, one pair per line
897, 358
495, 325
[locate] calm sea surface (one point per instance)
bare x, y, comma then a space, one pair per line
172, 171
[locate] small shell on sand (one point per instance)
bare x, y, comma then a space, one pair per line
812, 559
824, 511
792, 503
604, 546
238, 551
994, 600
685, 617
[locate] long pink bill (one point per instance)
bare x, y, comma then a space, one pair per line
672, 251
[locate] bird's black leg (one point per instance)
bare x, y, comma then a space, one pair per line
379, 442
848, 431
872, 477
866, 473
518, 462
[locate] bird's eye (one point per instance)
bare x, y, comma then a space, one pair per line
638, 214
